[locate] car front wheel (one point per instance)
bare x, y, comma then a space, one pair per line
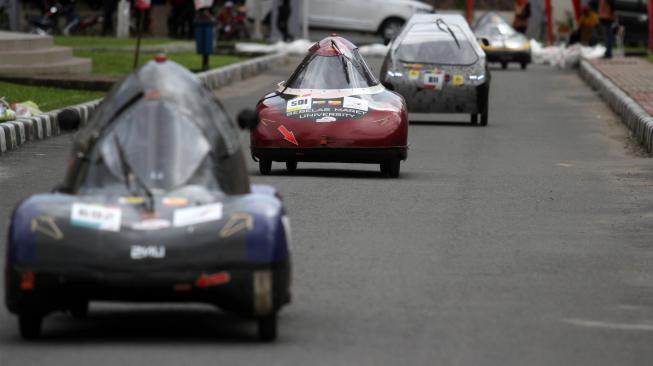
30, 325
267, 328
390, 29
265, 166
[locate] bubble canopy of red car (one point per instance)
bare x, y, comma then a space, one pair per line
332, 63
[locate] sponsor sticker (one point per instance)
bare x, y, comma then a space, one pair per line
413, 74
336, 103
299, 104
96, 216
326, 119
458, 80
151, 224
355, 103
433, 80
138, 252
175, 201
131, 200
197, 214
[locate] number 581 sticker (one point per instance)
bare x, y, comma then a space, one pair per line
299, 104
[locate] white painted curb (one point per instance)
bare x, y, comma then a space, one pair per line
632, 114
13, 134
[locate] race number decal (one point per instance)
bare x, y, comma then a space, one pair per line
433, 80
299, 104
96, 216
355, 103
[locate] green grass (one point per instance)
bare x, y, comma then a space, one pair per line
96, 41
47, 98
121, 63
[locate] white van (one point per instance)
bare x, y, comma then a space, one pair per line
385, 17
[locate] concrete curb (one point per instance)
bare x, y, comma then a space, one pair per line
13, 134
632, 114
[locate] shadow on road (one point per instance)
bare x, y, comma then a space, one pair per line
149, 326
444, 123
329, 173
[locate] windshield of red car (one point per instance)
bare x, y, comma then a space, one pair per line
332, 72
429, 44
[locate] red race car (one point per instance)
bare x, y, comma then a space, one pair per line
332, 109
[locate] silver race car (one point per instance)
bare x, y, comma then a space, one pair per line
504, 43
437, 65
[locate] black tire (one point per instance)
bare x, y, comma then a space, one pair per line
267, 328
524, 65
30, 325
265, 166
504, 65
484, 118
80, 309
291, 166
473, 119
391, 168
390, 28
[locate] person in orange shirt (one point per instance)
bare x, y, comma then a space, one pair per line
585, 33
522, 13
607, 19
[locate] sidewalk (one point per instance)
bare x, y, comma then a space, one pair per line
633, 75
626, 84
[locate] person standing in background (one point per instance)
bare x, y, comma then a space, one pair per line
522, 13
607, 18
282, 21
108, 9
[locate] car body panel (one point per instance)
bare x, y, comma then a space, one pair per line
440, 85
505, 43
131, 223
300, 120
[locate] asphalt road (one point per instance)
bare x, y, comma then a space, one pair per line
524, 243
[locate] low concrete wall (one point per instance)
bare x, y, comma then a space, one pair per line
632, 114
13, 134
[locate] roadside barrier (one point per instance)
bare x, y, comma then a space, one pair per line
632, 114
13, 134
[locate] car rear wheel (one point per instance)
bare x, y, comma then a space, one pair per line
391, 168
265, 166
267, 328
474, 119
484, 118
390, 28
291, 166
30, 325
524, 65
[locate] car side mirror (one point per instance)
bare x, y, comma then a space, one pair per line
388, 85
248, 119
69, 120
485, 42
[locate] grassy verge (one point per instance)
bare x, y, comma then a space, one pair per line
47, 98
95, 41
121, 63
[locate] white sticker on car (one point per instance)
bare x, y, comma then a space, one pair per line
197, 214
147, 251
96, 216
326, 119
151, 224
299, 104
433, 80
355, 103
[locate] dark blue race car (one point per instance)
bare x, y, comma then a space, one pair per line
156, 206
